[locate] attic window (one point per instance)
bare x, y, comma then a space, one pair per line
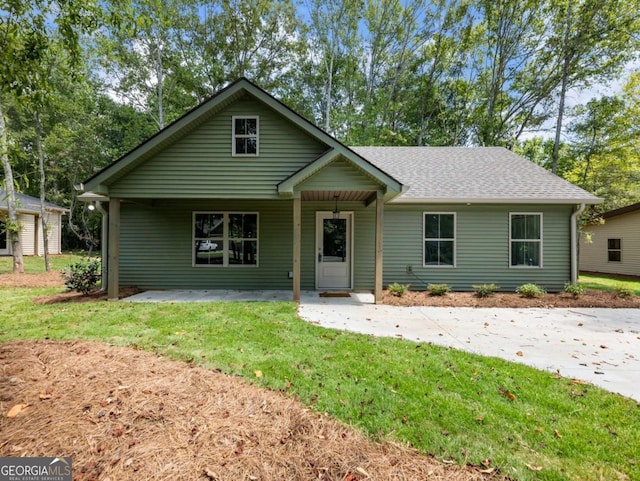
245, 136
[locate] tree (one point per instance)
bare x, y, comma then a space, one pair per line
593, 39
334, 62
142, 63
606, 157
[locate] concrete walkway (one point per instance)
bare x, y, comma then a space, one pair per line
601, 346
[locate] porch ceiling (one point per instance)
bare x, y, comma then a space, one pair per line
315, 195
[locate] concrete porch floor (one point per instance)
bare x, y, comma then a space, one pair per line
230, 295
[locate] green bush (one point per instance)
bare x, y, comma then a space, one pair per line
576, 290
438, 289
485, 290
530, 291
623, 291
83, 276
398, 290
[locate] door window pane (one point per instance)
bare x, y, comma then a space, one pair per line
334, 240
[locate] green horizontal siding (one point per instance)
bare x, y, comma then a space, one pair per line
482, 246
156, 246
200, 165
339, 175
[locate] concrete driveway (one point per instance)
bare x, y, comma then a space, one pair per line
601, 346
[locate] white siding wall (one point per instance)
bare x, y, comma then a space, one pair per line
54, 231
30, 225
593, 255
27, 233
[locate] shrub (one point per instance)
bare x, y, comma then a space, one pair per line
485, 290
398, 290
83, 276
438, 289
576, 290
623, 291
530, 290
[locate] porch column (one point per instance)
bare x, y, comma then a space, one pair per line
113, 263
297, 227
377, 291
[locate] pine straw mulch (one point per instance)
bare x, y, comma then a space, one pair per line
592, 298
125, 414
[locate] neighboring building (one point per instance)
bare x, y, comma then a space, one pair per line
613, 247
243, 193
31, 226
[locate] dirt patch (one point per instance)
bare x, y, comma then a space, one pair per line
43, 279
125, 414
592, 298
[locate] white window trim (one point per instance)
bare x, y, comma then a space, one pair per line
614, 250
511, 240
225, 240
235, 136
455, 240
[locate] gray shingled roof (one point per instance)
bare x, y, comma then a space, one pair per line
26, 203
472, 174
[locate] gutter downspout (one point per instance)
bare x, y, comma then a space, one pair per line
574, 242
103, 245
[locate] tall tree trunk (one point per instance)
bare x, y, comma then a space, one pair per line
43, 212
563, 90
160, 93
327, 95
13, 225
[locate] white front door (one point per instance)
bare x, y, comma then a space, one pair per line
334, 250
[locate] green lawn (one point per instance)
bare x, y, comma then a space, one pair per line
454, 405
35, 264
609, 282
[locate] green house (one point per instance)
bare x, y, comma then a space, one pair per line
244, 193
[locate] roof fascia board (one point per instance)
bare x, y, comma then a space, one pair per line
498, 201
621, 211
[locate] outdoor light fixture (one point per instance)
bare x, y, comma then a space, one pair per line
336, 212
91, 207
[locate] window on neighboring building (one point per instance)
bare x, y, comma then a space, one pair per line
525, 240
245, 136
439, 239
614, 250
225, 239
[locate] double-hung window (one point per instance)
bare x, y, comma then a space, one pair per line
439, 239
245, 136
614, 250
225, 239
525, 240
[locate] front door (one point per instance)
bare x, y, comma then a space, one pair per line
334, 250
